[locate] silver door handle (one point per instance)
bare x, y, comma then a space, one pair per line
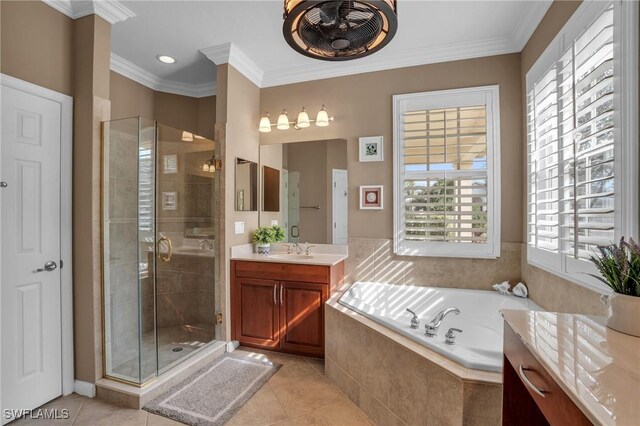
3, 184
275, 294
281, 295
48, 267
527, 382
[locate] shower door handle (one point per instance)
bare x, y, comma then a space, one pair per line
166, 258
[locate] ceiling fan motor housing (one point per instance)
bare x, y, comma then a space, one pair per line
339, 30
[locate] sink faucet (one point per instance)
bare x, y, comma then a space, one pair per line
299, 248
431, 329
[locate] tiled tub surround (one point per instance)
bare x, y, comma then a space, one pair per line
395, 380
478, 346
374, 260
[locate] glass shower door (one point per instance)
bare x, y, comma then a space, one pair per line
185, 176
160, 295
129, 249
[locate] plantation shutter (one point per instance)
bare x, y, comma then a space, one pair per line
444, 148
445, 185
571, 147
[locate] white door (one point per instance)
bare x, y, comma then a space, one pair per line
340, 206
30, 277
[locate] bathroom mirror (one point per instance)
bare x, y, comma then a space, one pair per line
305, 190
270, 189
246, 185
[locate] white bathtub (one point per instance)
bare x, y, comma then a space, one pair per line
479, 346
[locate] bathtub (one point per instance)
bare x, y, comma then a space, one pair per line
479, 346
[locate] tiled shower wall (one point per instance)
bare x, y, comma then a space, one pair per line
374, 260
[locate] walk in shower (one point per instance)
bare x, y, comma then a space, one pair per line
160, 289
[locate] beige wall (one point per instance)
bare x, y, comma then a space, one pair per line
34, 34
130, 99
237, 112
91, 107
362, 105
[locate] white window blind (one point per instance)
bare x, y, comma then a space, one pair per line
444, 195
573, 177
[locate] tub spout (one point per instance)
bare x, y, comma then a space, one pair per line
431, 329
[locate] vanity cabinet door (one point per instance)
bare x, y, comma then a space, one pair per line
256, 311
302, 317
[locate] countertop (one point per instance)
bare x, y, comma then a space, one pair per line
598, 368
321, 254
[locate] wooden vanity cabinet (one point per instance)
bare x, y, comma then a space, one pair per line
521, 404
280, 306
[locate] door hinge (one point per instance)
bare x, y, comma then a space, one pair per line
335, 184
61, 264
219, 318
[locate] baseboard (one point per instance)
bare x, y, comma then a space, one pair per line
84, 388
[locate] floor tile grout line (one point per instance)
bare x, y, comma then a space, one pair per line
75, 418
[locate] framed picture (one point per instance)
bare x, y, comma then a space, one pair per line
169, 164
169, 201
371, 197
372, 148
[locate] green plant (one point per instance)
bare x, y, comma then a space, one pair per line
268, 234
619, 265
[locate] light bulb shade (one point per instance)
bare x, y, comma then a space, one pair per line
205, 168
265, 125
187, 136
322, 120
303, 119
283, 121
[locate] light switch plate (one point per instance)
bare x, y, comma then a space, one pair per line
239, 228
274, 223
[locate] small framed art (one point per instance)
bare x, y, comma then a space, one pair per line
170, 164
169, 201
372, 148
371, 197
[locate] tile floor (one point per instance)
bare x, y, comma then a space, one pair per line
298, 394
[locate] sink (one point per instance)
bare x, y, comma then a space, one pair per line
286, 256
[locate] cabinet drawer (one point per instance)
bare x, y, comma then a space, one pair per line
283, 271
556, 406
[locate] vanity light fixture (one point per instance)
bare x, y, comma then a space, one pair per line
166, 59
283, 121
303, 121
187, 136
265, 124
322, 120
212, 165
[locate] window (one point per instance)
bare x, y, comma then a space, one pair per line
581, 142
446, 173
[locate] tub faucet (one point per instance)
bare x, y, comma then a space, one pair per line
450, 337
415, 321
431, 329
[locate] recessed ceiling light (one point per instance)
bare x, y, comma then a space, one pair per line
166, 59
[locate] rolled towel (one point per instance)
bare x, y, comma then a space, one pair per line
502, 288
521, 290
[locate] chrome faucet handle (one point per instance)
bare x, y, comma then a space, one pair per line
450, 337
307, 250
289, 248
430, 330
415, 321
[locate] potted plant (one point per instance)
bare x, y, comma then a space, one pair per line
620, 268
264, 236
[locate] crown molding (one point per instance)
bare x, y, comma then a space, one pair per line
153, 82
528, 23
229, 53
399, 59
111, 11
